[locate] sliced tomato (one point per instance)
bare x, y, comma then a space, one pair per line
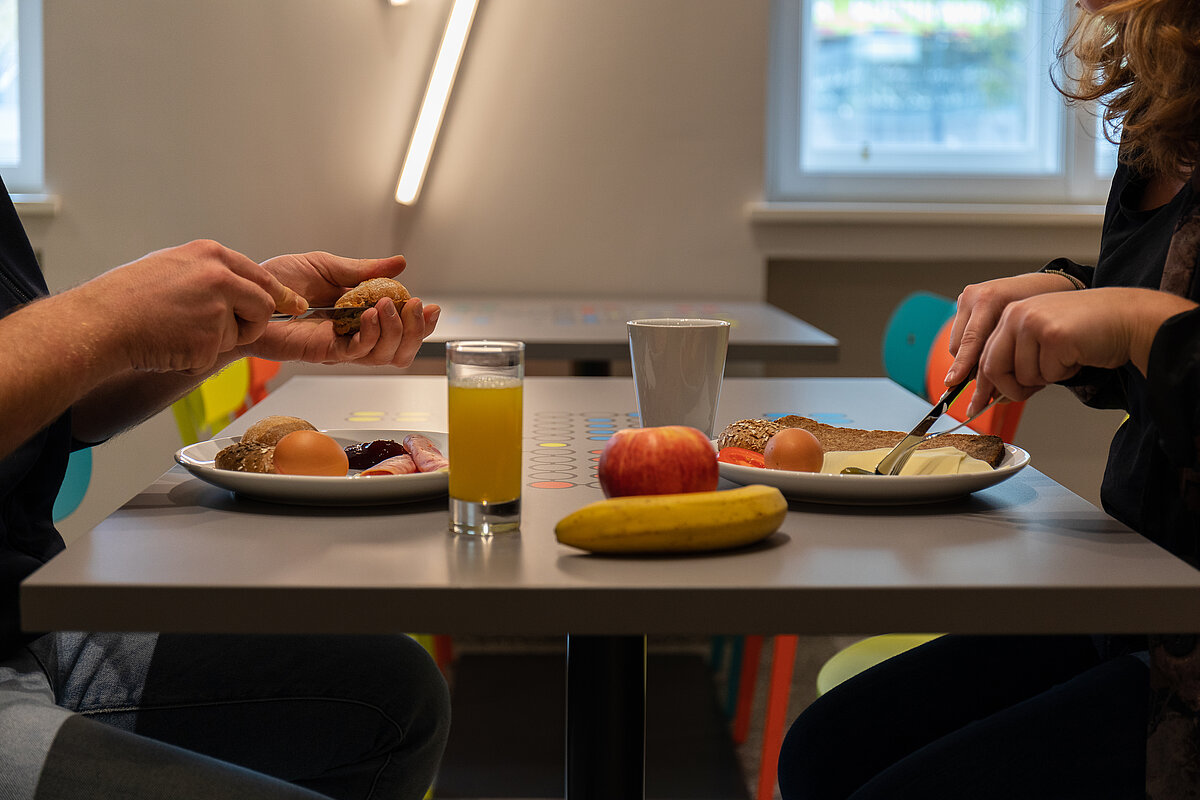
741, 456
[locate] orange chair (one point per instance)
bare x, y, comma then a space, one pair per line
1000, 420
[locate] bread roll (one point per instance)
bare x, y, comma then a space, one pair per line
270, 430
247, 457
365, 295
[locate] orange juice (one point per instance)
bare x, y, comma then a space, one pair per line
485, 438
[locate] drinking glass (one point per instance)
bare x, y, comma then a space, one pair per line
485, 380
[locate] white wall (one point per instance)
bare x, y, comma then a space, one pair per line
605, 147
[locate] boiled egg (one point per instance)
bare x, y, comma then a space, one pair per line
310, 453
794, 449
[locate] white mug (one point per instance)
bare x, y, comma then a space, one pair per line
678, 365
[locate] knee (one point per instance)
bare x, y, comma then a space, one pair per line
810, 756
420, 695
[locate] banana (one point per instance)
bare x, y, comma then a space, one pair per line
675, 522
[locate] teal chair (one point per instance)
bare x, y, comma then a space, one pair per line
908, 335
75, 484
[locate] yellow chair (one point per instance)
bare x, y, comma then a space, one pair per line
212, 405
866, 653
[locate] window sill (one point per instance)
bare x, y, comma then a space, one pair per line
36, 205
939, 214
916, 231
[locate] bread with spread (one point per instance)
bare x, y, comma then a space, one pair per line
753, 434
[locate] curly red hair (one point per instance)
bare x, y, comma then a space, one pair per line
1141, 60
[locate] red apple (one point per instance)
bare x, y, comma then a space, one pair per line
666, 460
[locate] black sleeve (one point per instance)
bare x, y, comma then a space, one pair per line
1174, 387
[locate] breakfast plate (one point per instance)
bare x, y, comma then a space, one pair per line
313, 490
819, 487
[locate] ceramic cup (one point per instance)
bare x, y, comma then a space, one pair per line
678, 365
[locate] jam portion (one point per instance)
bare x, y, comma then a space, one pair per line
368, 454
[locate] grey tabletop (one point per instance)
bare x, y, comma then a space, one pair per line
579, 328
1026, 555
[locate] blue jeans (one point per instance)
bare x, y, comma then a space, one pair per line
202, 716
977, 717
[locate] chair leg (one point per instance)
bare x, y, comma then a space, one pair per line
751, 652
783, 661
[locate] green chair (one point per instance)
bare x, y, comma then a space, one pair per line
75, 483
866, 653
909, 334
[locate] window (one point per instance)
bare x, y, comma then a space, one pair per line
21, 95
930, 100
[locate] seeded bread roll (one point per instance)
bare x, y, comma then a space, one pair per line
365, 295
247, 457
749, 434
269, 430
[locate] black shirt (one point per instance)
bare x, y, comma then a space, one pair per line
1151, 480
30, 477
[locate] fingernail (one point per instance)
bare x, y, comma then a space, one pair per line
950, 376
436, 315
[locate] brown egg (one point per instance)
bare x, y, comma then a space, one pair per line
310, 453
792, 448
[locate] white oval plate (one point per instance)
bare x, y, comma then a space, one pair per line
819, 487
313, 490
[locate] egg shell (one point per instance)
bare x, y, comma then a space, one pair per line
794, 449
310, 453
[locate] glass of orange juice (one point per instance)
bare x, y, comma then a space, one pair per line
485, 380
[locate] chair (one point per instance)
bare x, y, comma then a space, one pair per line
921, 323
74, 485
261, 371
908, 336
1000, 420
213, 404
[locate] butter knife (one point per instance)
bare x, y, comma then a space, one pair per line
894, 461
325, 312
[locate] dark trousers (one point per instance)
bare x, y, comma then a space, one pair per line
977, 717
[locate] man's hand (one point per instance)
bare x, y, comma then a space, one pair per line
387, 336
182, 308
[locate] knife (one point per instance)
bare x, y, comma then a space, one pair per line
894, 461
325, 312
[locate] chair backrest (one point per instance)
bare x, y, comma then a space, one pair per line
908, 335
1000, 420
261, 371
75, 483
213, 404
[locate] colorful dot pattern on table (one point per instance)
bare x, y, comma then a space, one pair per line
562, 448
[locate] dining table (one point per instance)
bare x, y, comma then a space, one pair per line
1024, 555
590, 331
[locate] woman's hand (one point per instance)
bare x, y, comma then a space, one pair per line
387, 336
1050, 337
979, 308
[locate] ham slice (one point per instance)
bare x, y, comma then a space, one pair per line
425, 453
396, 465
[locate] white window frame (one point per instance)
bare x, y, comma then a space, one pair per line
28, 176
1071, 131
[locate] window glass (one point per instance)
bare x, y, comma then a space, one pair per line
925, 85
21, 95
926, 100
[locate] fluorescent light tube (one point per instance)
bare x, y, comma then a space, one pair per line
433, 108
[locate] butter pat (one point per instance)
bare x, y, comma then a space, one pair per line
934, 461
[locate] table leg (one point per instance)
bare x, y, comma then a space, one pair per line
606, 717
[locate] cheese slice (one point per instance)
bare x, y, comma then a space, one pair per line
934, 461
